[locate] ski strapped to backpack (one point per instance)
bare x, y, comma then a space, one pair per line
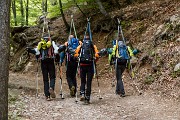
46, 46
90, 53
127, 56
73, 43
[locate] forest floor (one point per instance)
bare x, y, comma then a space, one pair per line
148, 106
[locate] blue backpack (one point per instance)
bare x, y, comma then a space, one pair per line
72, 45
122, 50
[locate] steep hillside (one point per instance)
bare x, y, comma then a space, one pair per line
153, 27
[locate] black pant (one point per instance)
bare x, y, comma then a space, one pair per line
71, 73
119, 70
48, 71
86, 73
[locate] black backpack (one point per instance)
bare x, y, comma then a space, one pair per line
87, 52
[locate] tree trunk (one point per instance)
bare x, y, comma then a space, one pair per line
22, 13
27, 11
44, 5
14, 11
64, 19
101, 8
117, 4
4, 59
129, 1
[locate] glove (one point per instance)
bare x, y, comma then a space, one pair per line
30, 50
61, 48
97, 55
37, 57
96, 59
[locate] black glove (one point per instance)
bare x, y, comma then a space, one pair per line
30, 50
61, 48
37, 57
103, 52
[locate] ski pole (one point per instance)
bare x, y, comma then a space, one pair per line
60, 76
96, 75
132, 76
37, 79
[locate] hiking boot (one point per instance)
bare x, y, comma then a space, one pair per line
72, 91
82, 98
118, 93
52, 93
86, 102
122, 95
48, 98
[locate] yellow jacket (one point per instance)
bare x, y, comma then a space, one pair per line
43, 44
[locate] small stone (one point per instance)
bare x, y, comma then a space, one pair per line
177, 67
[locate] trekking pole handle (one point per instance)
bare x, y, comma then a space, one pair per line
88, 19
119, 21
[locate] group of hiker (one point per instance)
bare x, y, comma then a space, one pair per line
80, 57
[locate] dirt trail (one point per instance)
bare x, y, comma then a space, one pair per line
147, 106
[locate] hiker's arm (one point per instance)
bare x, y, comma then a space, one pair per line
48, 44
130, 51
80, 43
61, 48
114, 50
39, 45
77, 51
66, 44
31, 50
62, 56
55, 47
103, 52
96, 52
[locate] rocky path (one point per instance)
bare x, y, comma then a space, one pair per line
147, 106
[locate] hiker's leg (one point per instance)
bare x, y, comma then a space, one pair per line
52, 73
120, 85
74, 70
45, 77
68, 74
83, 79
89, 81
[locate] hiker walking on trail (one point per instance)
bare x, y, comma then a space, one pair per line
120, 56
71, 63
86, 52
47, 50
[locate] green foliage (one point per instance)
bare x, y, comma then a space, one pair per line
175, 74
12, 98
141, 28
149, 79
125, 24
35, 9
